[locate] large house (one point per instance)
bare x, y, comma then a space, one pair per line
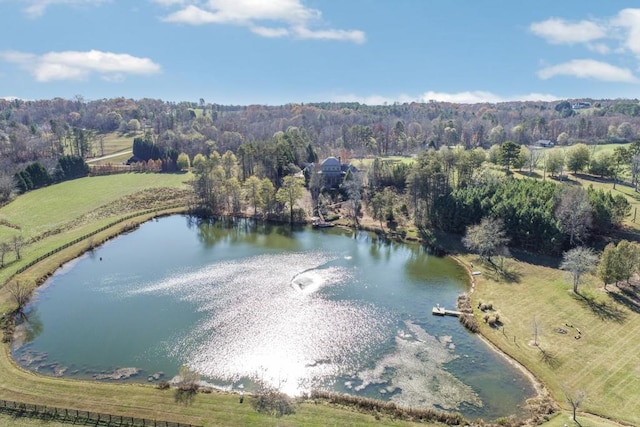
333, 171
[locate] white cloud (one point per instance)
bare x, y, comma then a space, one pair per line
355, 36
600, 48
629, 21
288, 17
468, 97
559, 31
36, 8
270, 32
589, 69
74, 65
617, 36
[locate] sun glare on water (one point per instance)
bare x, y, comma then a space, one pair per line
267, 321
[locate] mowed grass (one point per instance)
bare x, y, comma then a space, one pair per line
115, 142
48, 208
390, 160
145, 401
604, 359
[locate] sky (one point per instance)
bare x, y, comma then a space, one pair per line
277, 52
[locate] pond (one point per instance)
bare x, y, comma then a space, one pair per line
245, 304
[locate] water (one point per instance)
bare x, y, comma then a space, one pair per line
245, 304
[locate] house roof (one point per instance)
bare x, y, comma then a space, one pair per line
331, 161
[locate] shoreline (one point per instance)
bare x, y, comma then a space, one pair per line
541, 390
538, 386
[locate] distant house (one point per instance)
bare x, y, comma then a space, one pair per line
333, 171
545, 143
580, 105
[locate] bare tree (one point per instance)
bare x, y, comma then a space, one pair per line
575, 399
18, 243
579, 261
487, 238
574, 214
7, 186
5, 248
353, 187
187, 384
19, 294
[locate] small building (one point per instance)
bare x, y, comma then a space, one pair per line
333, 171
545, 143
580, 105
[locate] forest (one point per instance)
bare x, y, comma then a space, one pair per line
459, 168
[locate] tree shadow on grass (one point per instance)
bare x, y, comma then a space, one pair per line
527, 174
603, 309
185, 395
549, 358
627, 297
507, 274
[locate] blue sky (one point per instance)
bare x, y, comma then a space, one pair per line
285, 51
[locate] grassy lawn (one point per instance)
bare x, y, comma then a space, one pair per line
149, 402
366, 163
114, 142
603, 359
48, 208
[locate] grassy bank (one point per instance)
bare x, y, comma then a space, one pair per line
572, 343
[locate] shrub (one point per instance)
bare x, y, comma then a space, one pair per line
163, 385
272, 402
469, 321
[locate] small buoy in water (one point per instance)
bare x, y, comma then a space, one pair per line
100, 258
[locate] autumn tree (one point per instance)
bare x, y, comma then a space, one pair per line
352, 186
578, 262
627, 259
291, 190
268, 195
251, 188
608, 270
183, 162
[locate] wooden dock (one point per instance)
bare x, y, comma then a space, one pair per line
440, 311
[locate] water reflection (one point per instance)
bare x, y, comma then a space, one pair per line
242, 304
